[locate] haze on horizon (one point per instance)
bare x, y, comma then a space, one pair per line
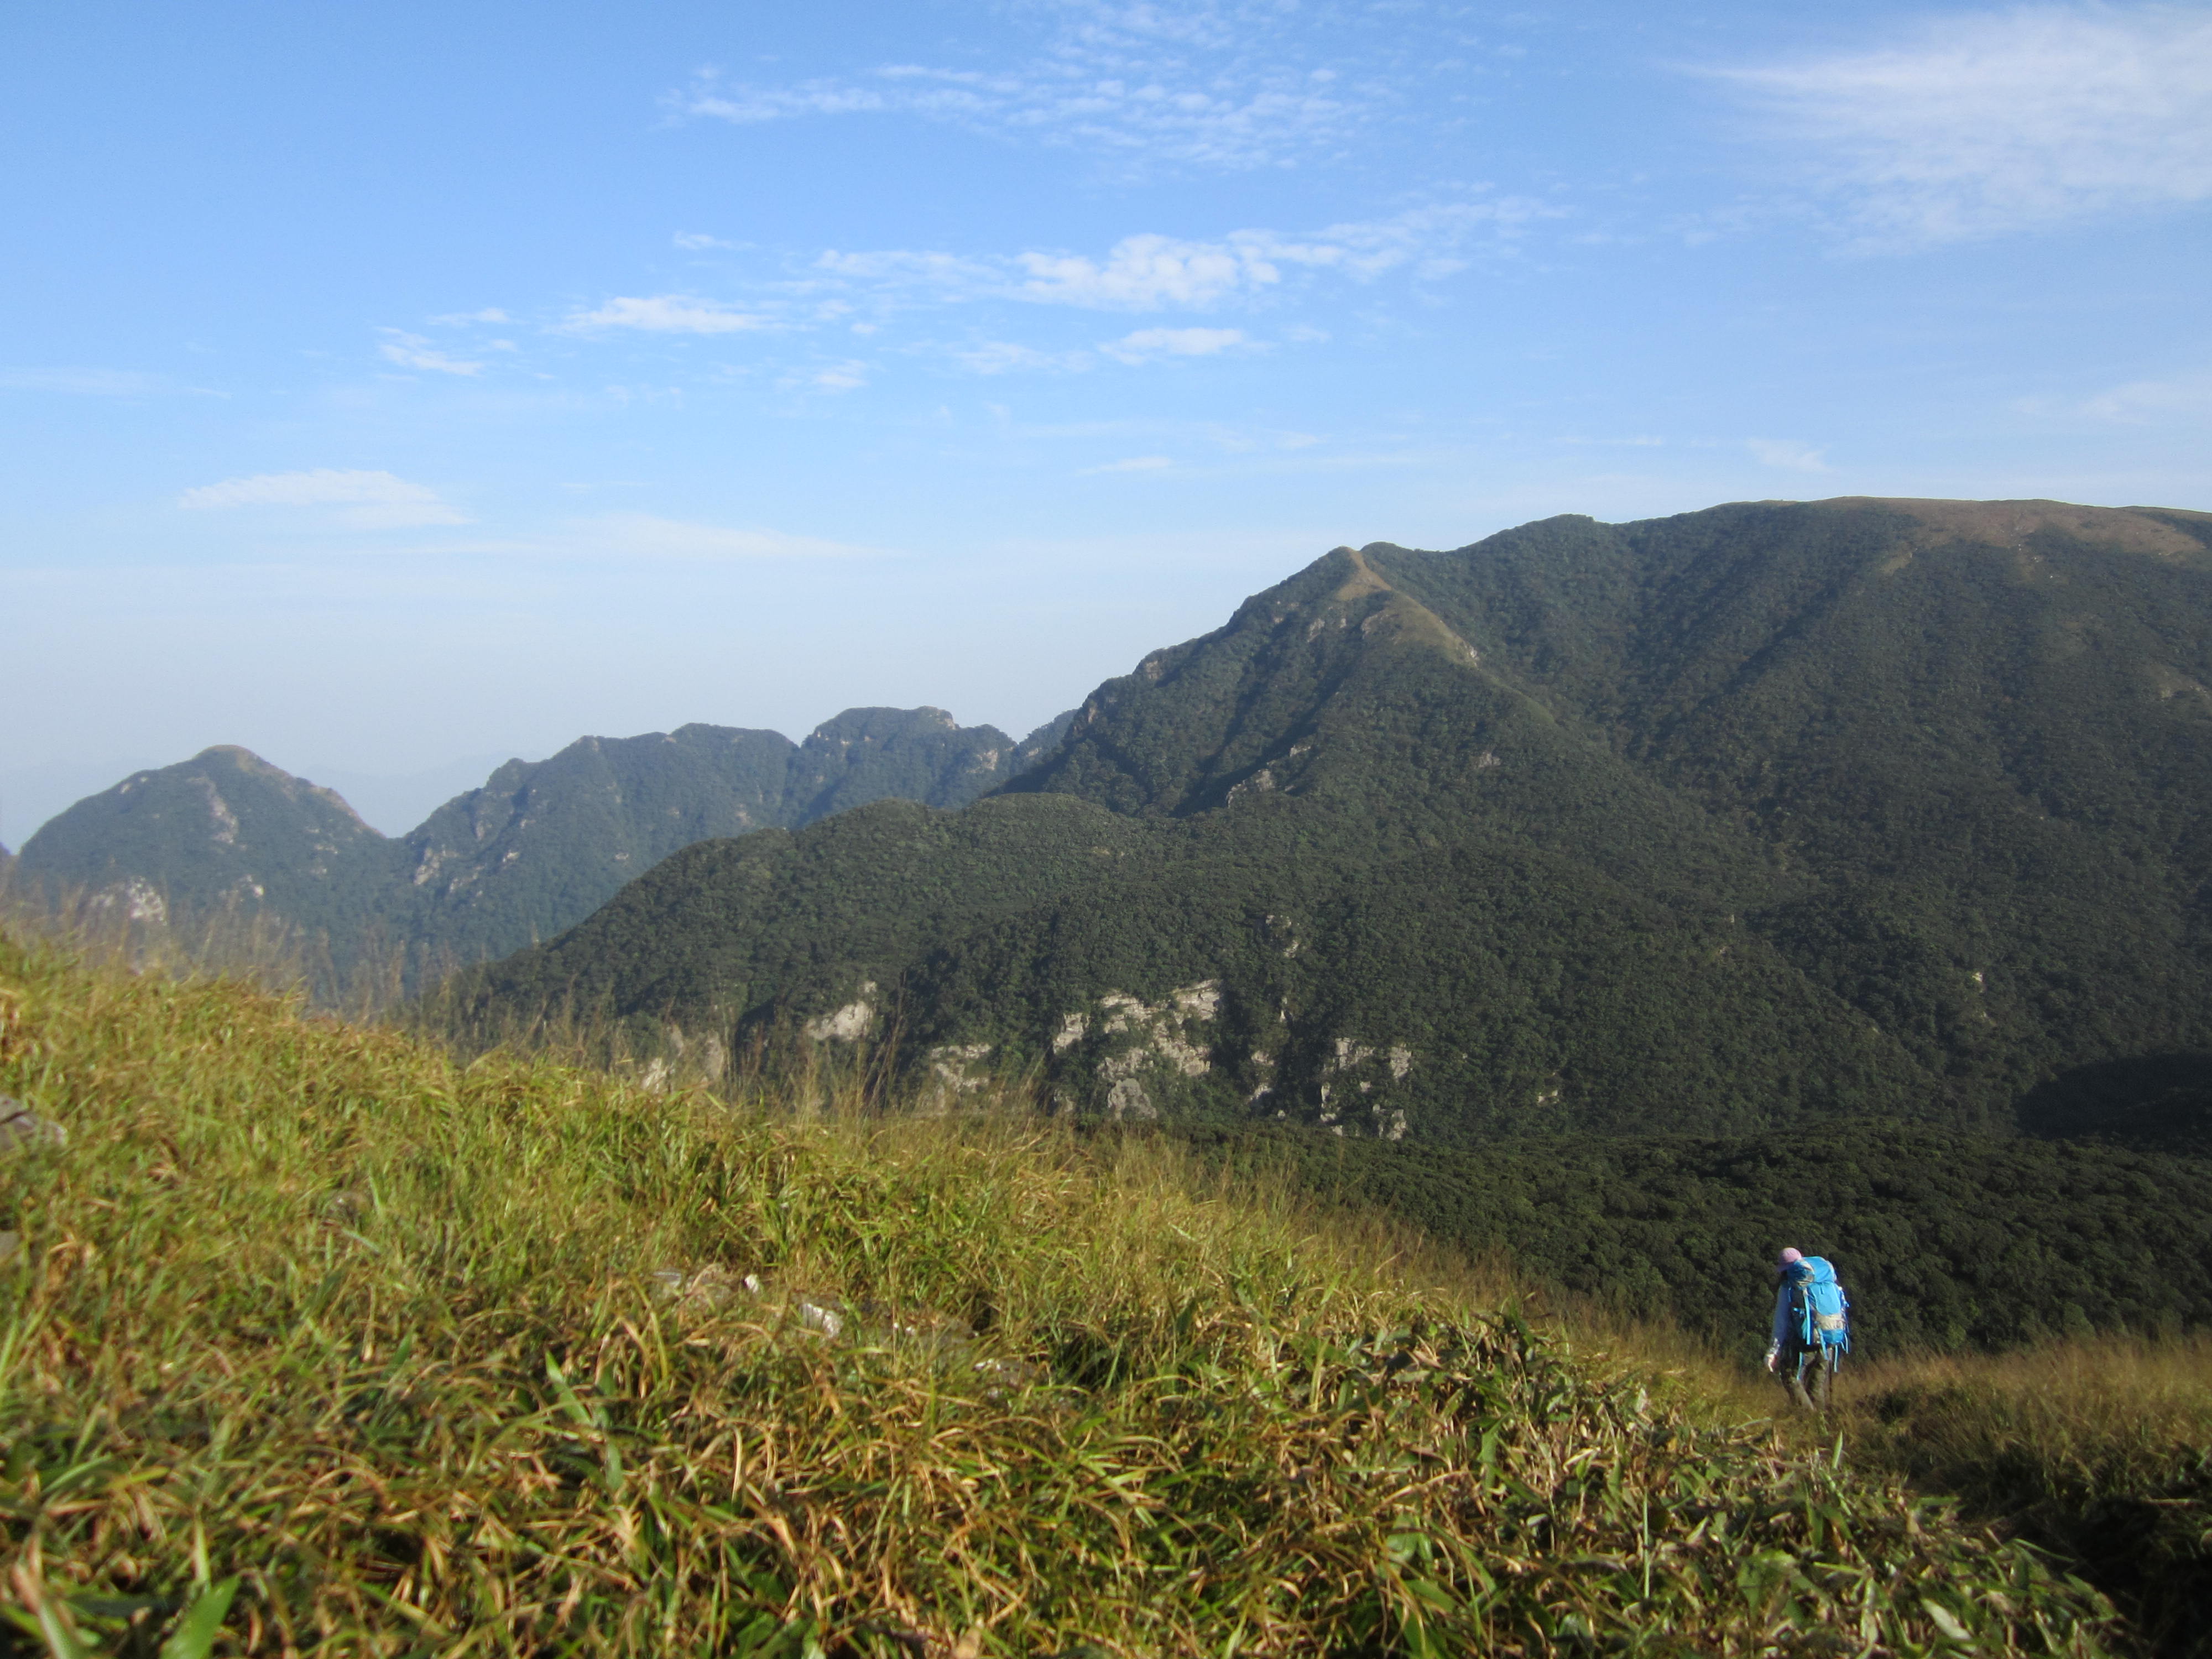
394, 389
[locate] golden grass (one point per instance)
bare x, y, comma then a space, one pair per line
461, 1359
2099, 1450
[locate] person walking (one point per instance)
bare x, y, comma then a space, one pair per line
1812, 1327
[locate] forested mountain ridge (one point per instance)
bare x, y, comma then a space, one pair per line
224, 831
1977, 736
1699, 823
1948, 1240
534, 850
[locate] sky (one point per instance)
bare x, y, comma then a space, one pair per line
395, 389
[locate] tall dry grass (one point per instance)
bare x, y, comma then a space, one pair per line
434, 1357
2099, 1450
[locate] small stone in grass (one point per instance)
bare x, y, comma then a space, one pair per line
21, 1129
345, 1209
711, 1286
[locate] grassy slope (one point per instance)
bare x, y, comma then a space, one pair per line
2101, 1451
312, 1306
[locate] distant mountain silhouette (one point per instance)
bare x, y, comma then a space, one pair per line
1701, 823
535, 849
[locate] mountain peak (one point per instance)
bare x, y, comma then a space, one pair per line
534, 849
245, 760
1360, 581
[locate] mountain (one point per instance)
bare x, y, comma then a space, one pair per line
1700, 824
222, 834
541, 845
227, 837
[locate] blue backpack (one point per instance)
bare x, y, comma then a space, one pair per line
1823, 1312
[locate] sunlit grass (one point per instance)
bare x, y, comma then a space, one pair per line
461, 1359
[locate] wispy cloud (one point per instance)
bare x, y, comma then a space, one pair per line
1146, 273
666, 314
856, 293
1150, 271
1195, 85
1986, 124
413, 351
694, 239
1134, 463
849, 375
909, 269
1790, 456
462, 318
1148, 345
1144, 345
1155, 114
358, 500
1005, 357
2139, 402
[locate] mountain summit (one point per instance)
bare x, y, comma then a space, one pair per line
226, 835
1703, 822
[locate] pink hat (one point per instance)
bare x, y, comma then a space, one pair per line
1789, 1256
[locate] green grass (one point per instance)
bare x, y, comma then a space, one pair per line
379, 1335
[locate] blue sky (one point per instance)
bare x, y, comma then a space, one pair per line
392, 389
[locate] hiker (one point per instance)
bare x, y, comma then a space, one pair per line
1812, 1327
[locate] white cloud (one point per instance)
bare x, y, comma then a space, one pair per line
848, 376
2003, 122
362, 500
413, 351
1134, 463
1004, 358
1144, 86
1790, 456
666, 314
645, 535
2142, 401
745, 104
1148, 344
696, 239
1150, 271
909, 269
461, 319
1145, 273
1148, 86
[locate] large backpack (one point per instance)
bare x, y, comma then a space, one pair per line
1822, 1311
